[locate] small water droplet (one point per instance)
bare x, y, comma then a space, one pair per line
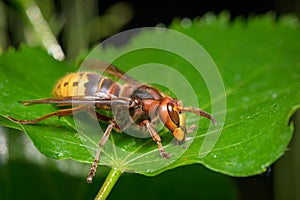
214, 155
263, 166
186, 23
149, 170
274, 95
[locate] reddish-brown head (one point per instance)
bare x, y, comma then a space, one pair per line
171, 112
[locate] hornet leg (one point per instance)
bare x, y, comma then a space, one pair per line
103, 140
59, 113
157, 139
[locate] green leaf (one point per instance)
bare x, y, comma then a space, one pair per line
259, 65
31, 74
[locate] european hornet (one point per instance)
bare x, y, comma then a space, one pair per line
145, 104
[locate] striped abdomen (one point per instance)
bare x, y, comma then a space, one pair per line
86, 84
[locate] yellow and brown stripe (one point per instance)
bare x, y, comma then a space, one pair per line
85, 84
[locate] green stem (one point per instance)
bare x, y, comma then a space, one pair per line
109, 183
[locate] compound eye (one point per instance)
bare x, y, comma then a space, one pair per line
173, 113
135, 102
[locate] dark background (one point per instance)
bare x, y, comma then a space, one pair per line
150, 13
73, 15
